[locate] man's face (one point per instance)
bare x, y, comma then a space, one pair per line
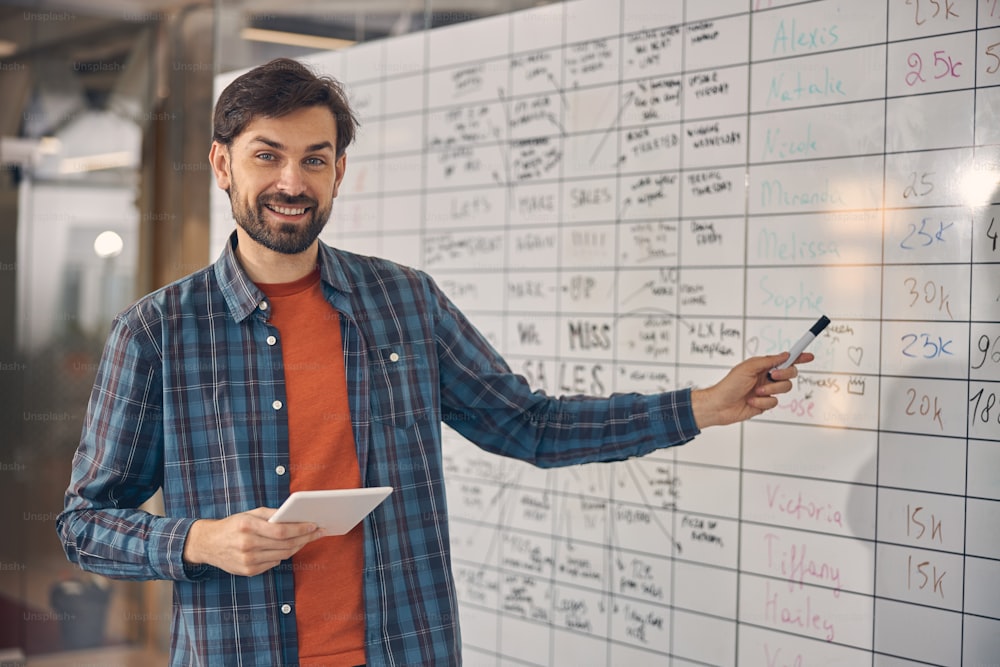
281, 175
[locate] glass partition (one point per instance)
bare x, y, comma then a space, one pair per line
103, 106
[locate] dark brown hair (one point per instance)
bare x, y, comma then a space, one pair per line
278, 88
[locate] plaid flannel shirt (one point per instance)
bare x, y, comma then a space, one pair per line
189, 396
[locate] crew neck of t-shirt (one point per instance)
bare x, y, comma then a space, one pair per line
278, 290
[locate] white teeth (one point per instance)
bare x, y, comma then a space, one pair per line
287, 211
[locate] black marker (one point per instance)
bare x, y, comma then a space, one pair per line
802, 343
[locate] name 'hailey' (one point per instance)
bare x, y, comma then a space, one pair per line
795, 615
806, 86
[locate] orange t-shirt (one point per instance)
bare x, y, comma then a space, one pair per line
329, 604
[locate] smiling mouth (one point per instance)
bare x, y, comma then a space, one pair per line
286, 210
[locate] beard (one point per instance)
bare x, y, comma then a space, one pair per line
284, 237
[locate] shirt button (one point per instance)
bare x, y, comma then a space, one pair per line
280, 470
263, 305
393, 357
271, 340
286, 609
276, 405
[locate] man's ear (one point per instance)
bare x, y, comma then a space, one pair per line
340, 166
219, 157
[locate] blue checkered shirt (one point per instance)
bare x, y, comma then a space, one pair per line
189, 396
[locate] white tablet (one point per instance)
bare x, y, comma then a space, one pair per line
335, 511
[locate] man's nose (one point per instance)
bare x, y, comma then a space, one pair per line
291, 181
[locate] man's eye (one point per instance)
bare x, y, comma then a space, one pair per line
315, 162
265, 156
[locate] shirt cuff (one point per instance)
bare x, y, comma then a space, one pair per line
673, 416
165, 551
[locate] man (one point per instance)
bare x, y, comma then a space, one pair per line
291, 365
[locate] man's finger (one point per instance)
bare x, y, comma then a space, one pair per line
284, 530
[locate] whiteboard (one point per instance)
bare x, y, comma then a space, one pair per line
634, 195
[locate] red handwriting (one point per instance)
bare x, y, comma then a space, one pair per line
780, 613
799, 408
772, 658
916, 524
802, 509
796, 566
924, 574
943, 66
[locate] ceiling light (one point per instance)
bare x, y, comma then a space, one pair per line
49, 146
295, 39
79, 165
108, 244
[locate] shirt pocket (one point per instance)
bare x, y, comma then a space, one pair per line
398, 384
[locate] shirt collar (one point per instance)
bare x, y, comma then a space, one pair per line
243, 296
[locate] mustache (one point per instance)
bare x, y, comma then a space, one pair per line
285, 200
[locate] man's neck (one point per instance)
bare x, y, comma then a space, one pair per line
267, 266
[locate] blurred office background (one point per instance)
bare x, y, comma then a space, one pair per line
105, 123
